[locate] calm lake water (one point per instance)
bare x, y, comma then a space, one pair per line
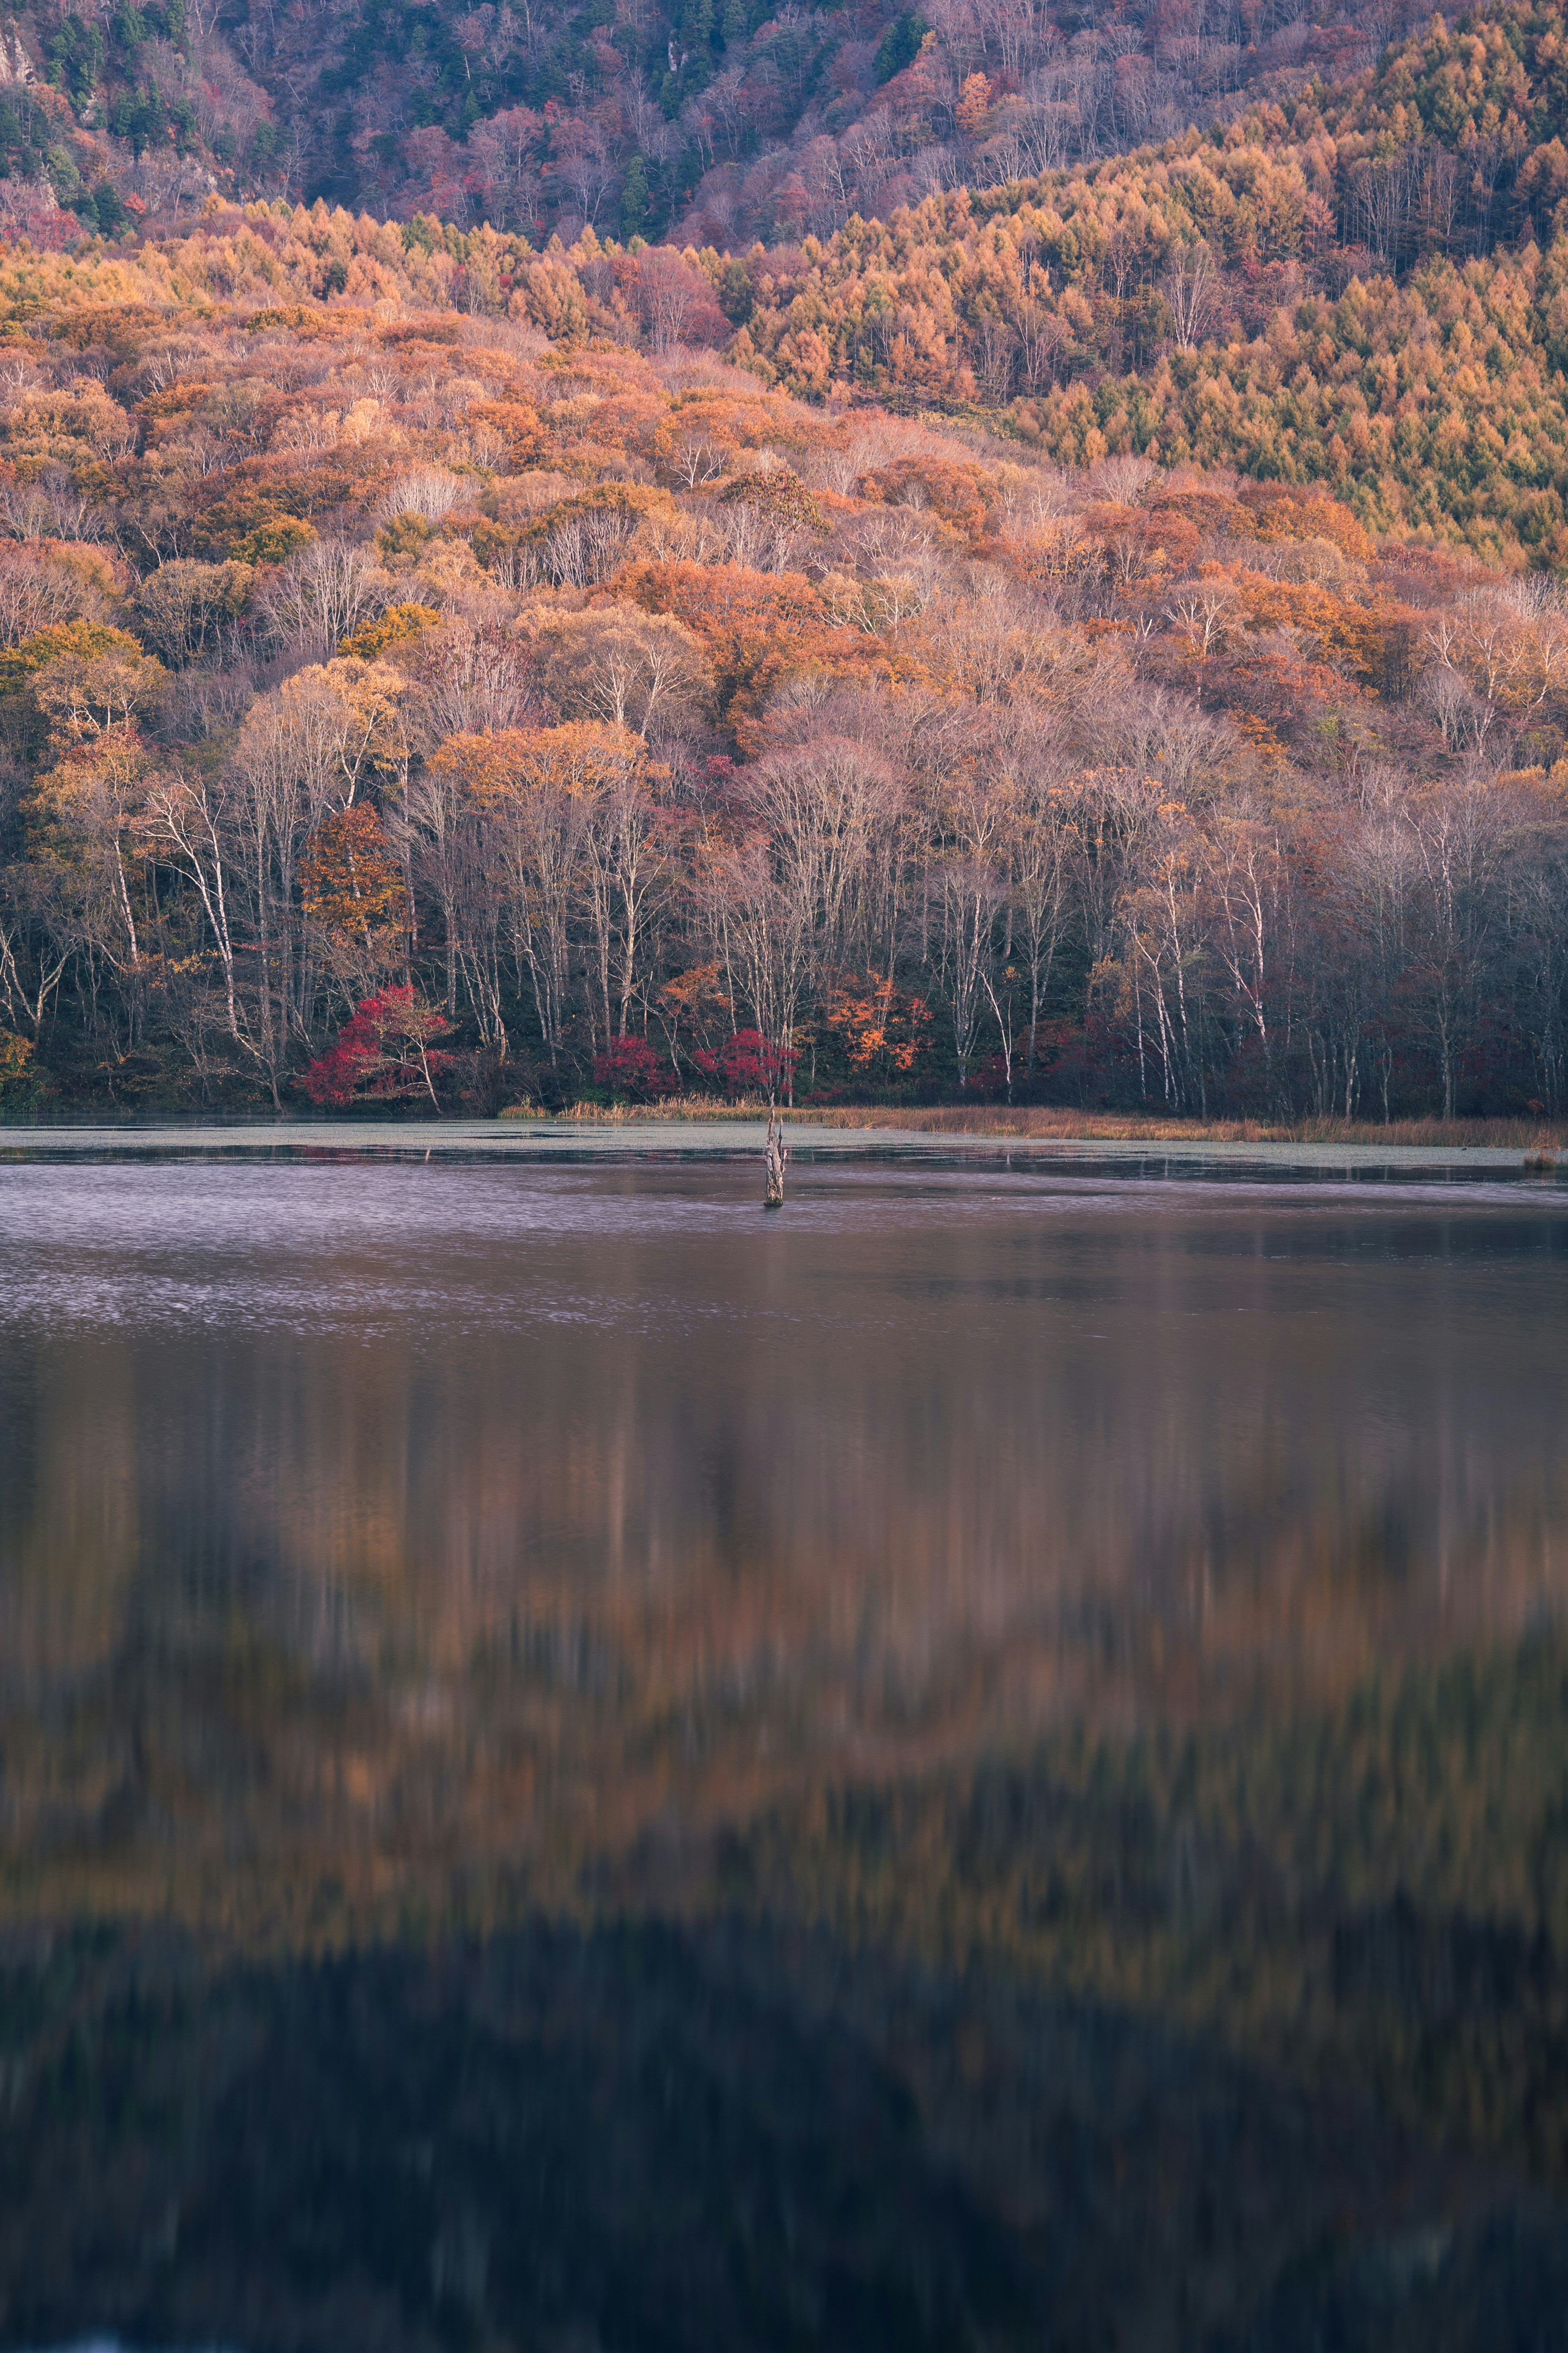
980, 1763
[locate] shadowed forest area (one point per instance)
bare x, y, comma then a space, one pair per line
722, 122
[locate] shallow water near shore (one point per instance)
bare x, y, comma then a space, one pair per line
984, 1758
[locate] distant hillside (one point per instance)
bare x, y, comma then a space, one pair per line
933, 215
723, 121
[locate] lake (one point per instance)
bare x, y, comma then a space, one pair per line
980, 1762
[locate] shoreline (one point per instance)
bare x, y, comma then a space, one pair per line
956, 1122
1048, 1124
560, 1139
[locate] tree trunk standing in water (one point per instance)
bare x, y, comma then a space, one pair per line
775, 1160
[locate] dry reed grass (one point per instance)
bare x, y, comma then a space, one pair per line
1543, 1139
1131, 1127
672, 1108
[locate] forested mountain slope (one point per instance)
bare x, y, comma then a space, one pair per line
589, 715
1091, 633
1360, 285
723, 121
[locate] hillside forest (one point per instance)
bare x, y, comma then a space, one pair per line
718, 122
1091, 637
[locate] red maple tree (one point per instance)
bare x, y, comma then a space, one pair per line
382, 1054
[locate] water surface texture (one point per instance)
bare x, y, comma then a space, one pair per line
582, 1765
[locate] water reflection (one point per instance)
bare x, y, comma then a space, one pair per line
615, 1495
1150, 1594
641, 2139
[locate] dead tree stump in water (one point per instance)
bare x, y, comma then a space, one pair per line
777, 1160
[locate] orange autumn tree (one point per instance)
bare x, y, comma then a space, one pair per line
696, 441
580, 829
497, 801
884, 1030
756, 629
353, 893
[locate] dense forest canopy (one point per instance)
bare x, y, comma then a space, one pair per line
726, 119
1091, 633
